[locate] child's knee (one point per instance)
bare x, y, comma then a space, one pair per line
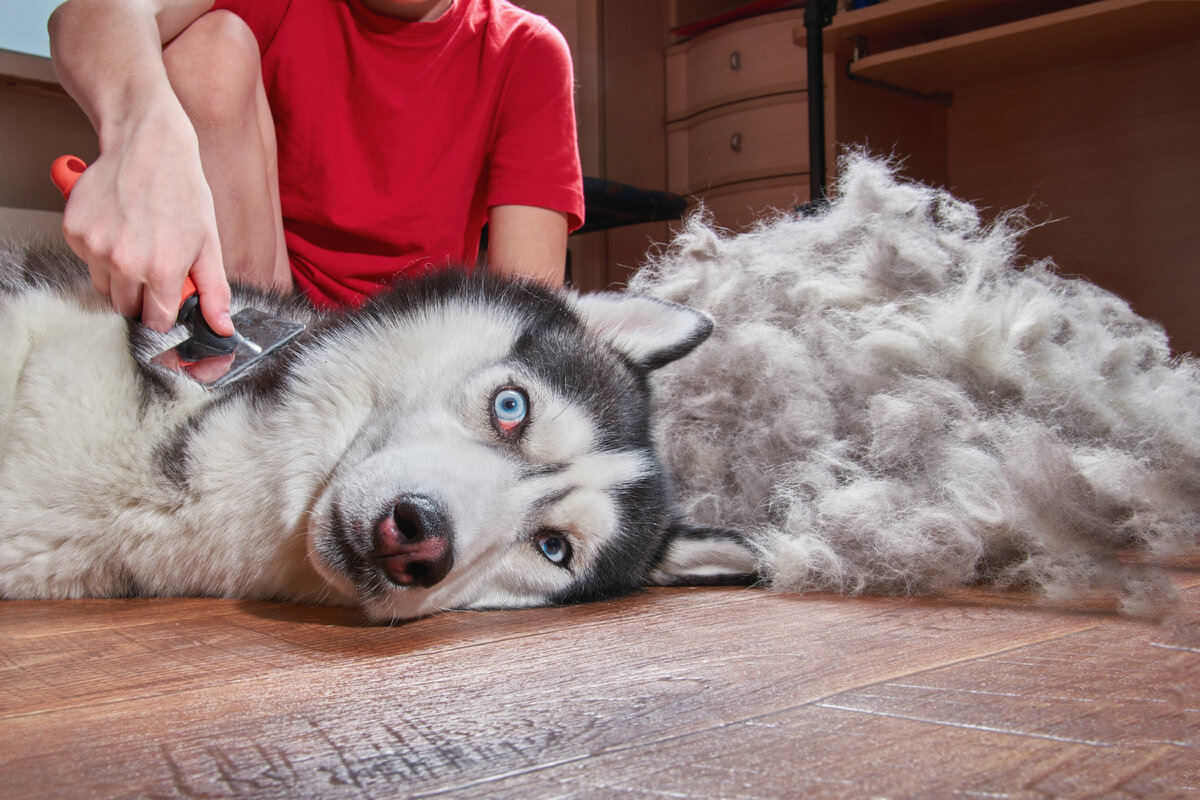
214, 69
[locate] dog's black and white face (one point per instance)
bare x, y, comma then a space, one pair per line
503, 457
459, 442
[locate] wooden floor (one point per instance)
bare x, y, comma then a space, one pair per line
696, 693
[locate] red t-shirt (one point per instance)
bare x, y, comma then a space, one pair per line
395, 138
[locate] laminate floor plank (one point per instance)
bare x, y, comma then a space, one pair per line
819, 752
51, 666
680, 692
1110, 712
98, 665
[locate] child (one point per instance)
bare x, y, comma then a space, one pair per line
330, 145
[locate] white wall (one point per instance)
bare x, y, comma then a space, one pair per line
23, 26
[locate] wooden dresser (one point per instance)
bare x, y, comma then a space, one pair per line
737, 119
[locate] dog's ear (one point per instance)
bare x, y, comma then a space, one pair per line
650, 332
698, 556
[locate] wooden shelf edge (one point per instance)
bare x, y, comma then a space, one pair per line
26, 74
1100, 30
27, 67
893, 13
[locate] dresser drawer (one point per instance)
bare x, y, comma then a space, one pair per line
747, 59
747, 141
738, 207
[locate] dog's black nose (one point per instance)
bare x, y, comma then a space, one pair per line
413, 543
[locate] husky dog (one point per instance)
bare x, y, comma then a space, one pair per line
462, 442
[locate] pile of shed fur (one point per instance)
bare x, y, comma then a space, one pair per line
893, 402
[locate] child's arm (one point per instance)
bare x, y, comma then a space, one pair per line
528, 241
142, 216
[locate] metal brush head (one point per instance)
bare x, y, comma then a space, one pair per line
258, 335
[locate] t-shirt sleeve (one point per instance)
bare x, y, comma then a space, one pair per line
535, 158
261, 16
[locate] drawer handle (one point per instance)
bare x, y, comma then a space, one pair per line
735, 60
735, 142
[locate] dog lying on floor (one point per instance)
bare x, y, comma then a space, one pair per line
461, 442
892, 401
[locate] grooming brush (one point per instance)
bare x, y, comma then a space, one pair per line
205, 356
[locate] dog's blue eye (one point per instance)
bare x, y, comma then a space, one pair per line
510, 405
555, 548
509, 409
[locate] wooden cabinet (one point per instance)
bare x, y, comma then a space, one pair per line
744, 142
1087, 114
755, 58
737, 118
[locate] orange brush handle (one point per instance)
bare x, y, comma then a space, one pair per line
65, 171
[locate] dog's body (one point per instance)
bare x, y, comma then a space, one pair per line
461, 442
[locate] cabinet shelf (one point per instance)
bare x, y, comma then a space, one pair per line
1106, 29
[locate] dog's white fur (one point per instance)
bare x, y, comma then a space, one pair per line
117, 478
894, 402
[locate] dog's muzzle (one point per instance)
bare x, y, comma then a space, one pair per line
413, 544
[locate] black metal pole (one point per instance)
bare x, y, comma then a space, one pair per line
817, 14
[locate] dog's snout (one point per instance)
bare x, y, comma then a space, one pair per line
413, 543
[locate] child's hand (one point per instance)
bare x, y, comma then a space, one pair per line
142, 219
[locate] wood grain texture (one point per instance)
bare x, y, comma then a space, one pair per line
682, 692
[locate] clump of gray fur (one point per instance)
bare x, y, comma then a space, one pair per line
893, 403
